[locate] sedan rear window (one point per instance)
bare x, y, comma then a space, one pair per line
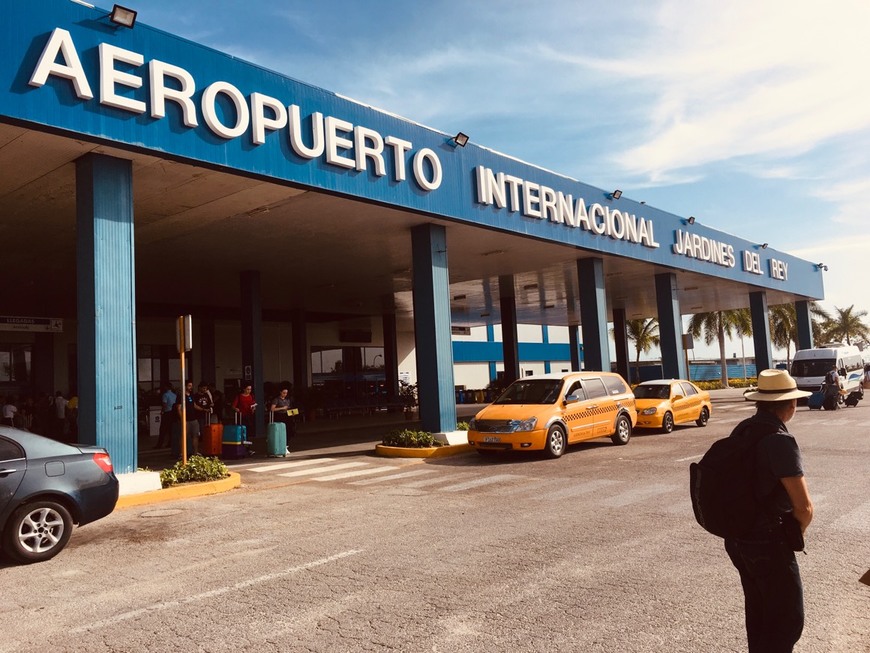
656, 391
10, 451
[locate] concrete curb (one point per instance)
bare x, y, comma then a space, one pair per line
184, 491
422, 452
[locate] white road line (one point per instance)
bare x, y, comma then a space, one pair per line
584, 487
636, 495
359, 472
320, 470
434, 481
393, 477
295, 463
683, 460
498, 478
168, 605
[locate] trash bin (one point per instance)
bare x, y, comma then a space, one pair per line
154, 414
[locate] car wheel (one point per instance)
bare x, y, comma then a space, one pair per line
37, 531
703, 417
667, 423
556, 441
622, 434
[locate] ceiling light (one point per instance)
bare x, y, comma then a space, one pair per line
122, 16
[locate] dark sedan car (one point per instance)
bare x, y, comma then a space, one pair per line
45, 488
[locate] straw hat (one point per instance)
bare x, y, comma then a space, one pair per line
776, 385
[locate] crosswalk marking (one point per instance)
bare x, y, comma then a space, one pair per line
488, 480
318, 470
291, 464
636, 495
584, 487
358, 472
434, 481
394, 477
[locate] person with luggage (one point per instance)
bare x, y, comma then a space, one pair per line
190, 418
244, 405
167, 416
203, 405
764, 557
282, 411
831, 388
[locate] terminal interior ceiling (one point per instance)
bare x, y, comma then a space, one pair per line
197, 228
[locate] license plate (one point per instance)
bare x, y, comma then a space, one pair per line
491, 438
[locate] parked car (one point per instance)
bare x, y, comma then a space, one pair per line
661, 404
45, 488
551, 411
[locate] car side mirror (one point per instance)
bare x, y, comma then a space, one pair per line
571, 399
677, 397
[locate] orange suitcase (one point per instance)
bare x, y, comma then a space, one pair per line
211, 440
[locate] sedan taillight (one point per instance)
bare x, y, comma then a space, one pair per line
104, 462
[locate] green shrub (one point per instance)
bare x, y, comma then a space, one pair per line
197, 468
411, 439
461, 426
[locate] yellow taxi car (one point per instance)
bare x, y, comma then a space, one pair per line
550, 411
663, 403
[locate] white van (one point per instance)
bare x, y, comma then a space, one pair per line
810, 366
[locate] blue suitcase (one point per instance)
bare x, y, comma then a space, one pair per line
276, 439
232, 445
815, 400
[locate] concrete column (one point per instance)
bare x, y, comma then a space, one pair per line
574, 344
391, 355
490, 337
761, 330
509, 336
620, 336
432, 335
593, 314
106, 285
670, 327
301, 356
804, 324
252, 344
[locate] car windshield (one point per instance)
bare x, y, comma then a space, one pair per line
539, 391
813, 367
653, 391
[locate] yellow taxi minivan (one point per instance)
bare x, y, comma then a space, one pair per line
550, 411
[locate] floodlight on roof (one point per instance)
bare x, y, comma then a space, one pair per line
615, 195
123, 16
460, 139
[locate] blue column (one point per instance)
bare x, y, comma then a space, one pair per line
105, 281
804, 324
593, 314
760, 330
574, 344
509, 337
252, 343
670, 327
433, 340
620, 336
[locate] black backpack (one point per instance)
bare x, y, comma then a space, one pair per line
722, 483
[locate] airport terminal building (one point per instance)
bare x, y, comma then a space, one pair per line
312, 238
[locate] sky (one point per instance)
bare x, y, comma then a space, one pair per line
752, 115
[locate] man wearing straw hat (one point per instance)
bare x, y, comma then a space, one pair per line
764, 558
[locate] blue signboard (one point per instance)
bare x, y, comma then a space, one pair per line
64, 66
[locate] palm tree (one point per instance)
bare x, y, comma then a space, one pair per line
644, 334
783, 326
848, 324
717, 326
